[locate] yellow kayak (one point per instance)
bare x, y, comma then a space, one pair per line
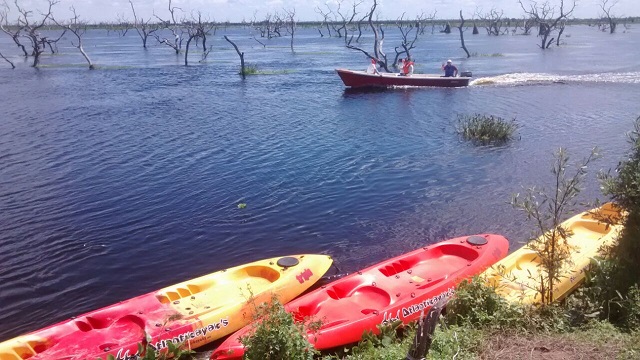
192, 313
516, 277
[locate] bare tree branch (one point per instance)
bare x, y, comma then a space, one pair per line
172, 26
291, 24
78, 29
7, 60
606, 6
545, 16
240, 54
38, 41
143, 28
464, 47
4, 26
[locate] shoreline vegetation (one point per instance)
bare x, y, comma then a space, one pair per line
317, 23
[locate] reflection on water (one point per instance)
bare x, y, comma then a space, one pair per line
119, 181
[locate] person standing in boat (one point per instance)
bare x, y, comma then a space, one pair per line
373, 67
450, 70
407, 67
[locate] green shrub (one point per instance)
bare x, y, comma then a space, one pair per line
277, 336
485, 129
624, 189
455, 342
174, 351
386, 345
477, 305
251, 69
547, 210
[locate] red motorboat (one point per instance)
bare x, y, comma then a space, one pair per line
353, 78
400, 288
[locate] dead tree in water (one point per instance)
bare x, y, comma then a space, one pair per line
7, 60
464, 47
197, 29
144, 28
78, 29
493, 21
291, 24
31, 31
14, 34
612, 21
240, 54
378, 38
548, 22
325, 21
172, 26
409, 32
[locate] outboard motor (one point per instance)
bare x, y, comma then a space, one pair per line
465, 74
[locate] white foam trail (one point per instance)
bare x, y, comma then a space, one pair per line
540, 78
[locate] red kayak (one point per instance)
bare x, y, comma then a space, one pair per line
400, 288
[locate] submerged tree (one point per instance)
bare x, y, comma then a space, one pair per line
608, 20
14, 33
77, 28
172, 26
291, 23
31, 30
240, 54
196, 30
378, 39
493, 21
549, 22
7, 60
142, 26
409, 31
460, 28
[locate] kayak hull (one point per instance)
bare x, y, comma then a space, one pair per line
401, 288
192, 313
359, 79
514, 276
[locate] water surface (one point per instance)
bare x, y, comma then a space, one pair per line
119, 181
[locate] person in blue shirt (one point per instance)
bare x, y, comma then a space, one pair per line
450, 69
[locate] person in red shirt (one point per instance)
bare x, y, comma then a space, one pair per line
407, 67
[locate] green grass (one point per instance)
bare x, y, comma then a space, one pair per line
252, 69
485, 129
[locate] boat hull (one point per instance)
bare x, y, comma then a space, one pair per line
401, 288
515, 276
359, 79
192, 313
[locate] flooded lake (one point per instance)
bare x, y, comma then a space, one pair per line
122, 180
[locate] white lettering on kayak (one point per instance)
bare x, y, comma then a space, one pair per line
406, 312
189, 335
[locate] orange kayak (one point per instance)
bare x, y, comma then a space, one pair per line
192, 313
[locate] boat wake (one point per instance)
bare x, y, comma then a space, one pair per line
519, 79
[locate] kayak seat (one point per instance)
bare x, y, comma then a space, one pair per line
593, 230
91, 322
529, 261
171, 294
24, 350
360, 297
253, 273
457, 250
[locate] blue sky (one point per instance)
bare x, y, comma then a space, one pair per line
237, 10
